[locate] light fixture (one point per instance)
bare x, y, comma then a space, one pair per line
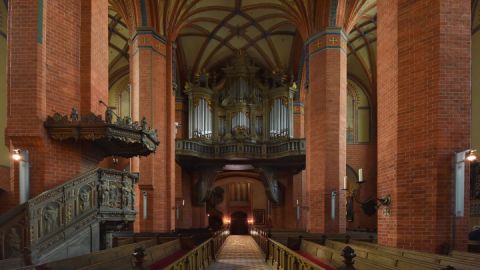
370, 206
471, 156
16, 155
22, 157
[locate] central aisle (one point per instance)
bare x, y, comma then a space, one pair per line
240, 252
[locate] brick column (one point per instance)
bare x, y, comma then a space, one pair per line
423, 119
47, 42
325, 122
149, 57
94, 59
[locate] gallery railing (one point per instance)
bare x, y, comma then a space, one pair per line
55, 215
281, 257
269, 150
201, 256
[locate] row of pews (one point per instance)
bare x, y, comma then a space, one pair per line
146, 251
358, 251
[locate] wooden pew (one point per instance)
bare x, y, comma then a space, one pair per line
404, 259
333, 257
99, 257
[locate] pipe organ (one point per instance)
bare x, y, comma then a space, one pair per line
238, 105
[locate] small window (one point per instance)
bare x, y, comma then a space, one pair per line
358, 114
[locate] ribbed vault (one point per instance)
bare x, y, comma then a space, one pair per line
118, 36
362, 52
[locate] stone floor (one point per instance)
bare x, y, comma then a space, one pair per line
240, 252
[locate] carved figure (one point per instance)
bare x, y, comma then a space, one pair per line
128, 120
127, 195
84, 196
14, 244
74, 115
109, 115
104, 194
113, 196
50, 219
144, 124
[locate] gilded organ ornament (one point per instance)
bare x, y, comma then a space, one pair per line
242, 102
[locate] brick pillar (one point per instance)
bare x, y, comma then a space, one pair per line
94, 56
45, 77
423, 119
325, 122
149, 57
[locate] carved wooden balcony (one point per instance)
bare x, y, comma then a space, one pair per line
283, 153
122, 138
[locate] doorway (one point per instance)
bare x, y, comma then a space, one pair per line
239, 223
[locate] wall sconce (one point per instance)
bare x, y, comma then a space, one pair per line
22, 157
370, 206
459, 178
178, 209
297, 207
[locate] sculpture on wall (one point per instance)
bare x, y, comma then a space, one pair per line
84, 199
50, 218
104, 194
202, 186
273, 187
127, 195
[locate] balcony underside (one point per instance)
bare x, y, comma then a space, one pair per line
112, 139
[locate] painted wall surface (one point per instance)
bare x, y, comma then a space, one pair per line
4, 160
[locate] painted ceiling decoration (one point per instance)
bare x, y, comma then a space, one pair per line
209, 32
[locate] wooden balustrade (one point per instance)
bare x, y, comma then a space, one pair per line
201, 256
269, 150
281, 257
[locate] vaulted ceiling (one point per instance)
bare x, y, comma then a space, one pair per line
220, 28
475, 16
118, 36
362, 47
209, 32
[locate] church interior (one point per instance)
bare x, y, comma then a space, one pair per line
240, 134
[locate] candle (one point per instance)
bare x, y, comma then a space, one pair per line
297, 202
344, 182
183, 202
360, 175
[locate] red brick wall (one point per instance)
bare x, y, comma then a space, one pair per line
423, 117
44, 77
363, 156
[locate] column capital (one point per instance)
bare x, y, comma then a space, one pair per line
331, 38
146, 37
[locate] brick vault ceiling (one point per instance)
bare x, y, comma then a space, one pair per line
220, 28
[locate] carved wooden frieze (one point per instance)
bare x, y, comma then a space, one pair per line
121, 138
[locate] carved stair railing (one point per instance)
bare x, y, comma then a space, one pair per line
49, 219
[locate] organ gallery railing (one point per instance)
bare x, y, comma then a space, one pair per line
50, 218
269, 150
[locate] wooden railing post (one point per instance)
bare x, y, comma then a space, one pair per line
348, 254
139, 255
